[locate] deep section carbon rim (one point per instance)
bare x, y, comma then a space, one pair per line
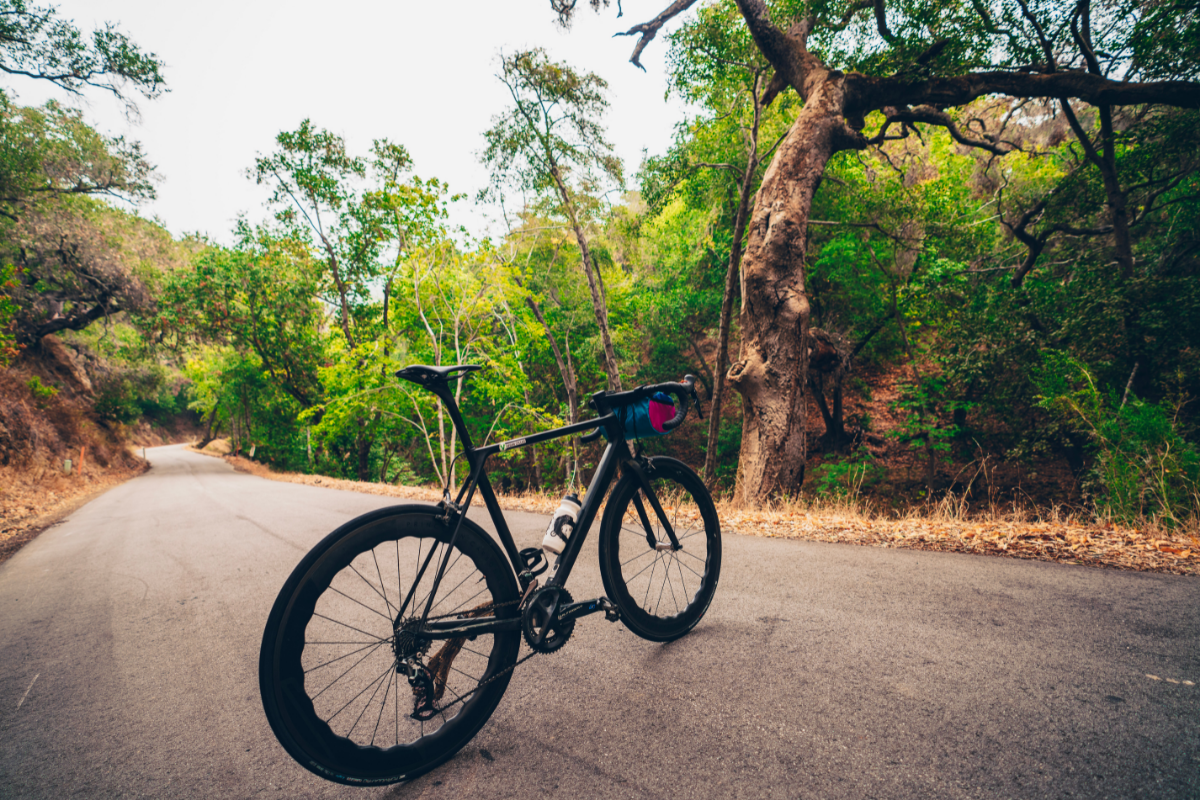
353, 690
663, 592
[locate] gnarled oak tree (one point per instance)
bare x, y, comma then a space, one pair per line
914, 63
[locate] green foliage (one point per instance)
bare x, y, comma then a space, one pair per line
553, 132
8, 313
40, 390
126, 395
1143, 467
259, 296
921, 406
76, 259
35, 42
355, 214
52, 151
847, 477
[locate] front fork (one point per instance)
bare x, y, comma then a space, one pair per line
638, 470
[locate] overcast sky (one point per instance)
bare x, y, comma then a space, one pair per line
419, 73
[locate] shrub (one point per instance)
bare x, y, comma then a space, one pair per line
846, 478
1143, 467
40, 390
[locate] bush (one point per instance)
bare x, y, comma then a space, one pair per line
846, 478
126, 395
40, 390
1143, 470
8, 314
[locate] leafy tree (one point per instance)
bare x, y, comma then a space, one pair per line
551, 143
259, 297
912, 62
36, 43
77, 260
319, 190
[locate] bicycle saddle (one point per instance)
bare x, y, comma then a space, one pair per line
429, 376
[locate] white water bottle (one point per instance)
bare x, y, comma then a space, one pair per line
561, 525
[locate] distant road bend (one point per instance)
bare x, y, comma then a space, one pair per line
129, 638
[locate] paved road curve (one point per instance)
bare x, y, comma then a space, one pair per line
129, 640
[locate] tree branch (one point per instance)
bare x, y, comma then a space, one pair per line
864, 94
648, 30
881, 23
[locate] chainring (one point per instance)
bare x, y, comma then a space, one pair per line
541, 633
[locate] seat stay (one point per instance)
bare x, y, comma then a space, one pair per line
472, 481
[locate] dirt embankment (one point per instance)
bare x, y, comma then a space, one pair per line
55, 454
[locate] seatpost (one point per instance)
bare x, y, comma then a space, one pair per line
443, 393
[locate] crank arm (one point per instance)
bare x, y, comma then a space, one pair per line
586, 607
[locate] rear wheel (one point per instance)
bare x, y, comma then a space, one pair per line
350, 687
661, 592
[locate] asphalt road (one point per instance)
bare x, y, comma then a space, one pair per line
129, 641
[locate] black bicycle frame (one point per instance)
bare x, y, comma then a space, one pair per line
456, 509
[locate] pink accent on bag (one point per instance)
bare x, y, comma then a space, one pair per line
660, 414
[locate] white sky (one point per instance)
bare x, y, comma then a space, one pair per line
419, 73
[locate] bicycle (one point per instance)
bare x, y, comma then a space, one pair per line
359, 615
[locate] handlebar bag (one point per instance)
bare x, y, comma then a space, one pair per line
647, 416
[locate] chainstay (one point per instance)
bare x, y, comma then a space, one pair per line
463, 698
493, 608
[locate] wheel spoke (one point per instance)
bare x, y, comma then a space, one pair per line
382, 583
383, 705
666, 580
643, 569
344, 674
373, 588
379, 682
351, 627
360, 694
682, 583
364, 605
335, 660
650, 582
639, 555
464, 674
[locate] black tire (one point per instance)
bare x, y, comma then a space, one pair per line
327, 669
661, 594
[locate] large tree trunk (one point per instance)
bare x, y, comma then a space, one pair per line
772, 368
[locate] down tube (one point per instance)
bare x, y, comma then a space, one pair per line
587, 514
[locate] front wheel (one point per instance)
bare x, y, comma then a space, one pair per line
352, 689
661, 591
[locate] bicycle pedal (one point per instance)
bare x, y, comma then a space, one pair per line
611, 612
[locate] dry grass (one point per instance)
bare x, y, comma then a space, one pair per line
948, 526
